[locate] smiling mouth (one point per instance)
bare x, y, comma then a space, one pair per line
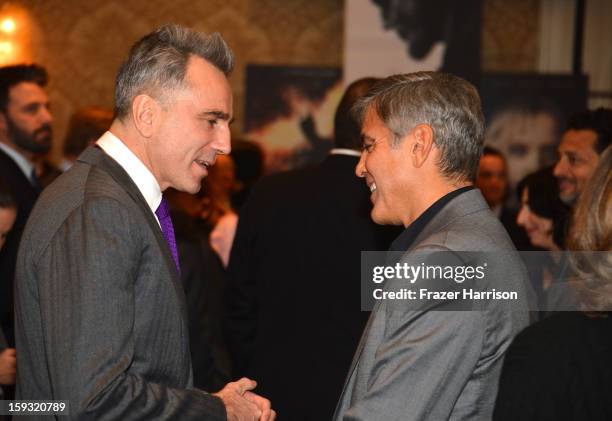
204, 164
372, 187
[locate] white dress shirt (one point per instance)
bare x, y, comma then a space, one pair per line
138, 172
345, 151
24, 165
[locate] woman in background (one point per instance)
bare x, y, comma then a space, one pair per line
219, 214
543, 216
560, 368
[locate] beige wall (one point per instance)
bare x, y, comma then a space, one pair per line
82, 42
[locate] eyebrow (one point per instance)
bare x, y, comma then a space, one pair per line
36, 103
572, 154
365, 138
215, 113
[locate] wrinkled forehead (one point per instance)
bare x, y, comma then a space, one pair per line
579, 141
208, 85
26, 92
492, 162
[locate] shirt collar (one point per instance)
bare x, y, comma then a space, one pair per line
405, 240
344, 151
24, 165
138, 172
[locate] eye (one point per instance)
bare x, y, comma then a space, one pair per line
31, 108
518, 149
573, 159
212, 123
367, 147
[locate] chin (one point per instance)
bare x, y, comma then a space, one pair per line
194, 189
188, 187
381, 218
568, 198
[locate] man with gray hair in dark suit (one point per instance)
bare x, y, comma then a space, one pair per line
438, 359
100, 310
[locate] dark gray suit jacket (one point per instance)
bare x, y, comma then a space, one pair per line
100, 310
440, 365
25, 195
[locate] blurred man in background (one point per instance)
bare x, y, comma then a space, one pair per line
587, 135
492, 180
25, 134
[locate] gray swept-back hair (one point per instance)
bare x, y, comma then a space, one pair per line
157, 63
447, 103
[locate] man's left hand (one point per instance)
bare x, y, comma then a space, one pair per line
267, 413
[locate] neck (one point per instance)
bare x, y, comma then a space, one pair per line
134, 142
26, 154
428, 194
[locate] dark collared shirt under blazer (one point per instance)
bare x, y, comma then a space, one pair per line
440, 365
100, 310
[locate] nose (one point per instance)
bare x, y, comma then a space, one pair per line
360, 169
559, 169
223, 143
45, 114
521, 218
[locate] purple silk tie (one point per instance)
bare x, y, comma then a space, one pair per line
163, 214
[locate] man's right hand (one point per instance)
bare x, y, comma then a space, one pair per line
238, 407
8, 366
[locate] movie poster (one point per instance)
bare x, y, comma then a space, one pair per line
385, 37
290, 112
526, 114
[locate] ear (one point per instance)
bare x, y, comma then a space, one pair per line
422, 144
145, 114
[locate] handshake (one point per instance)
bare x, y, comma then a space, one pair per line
243, 405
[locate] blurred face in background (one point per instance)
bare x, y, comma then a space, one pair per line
577, 162
221, 180
27, 120
492, 179
526, 139
538, 228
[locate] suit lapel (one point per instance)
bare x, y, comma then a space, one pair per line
95, 156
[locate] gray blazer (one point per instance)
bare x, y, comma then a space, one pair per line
440, 365
100, 310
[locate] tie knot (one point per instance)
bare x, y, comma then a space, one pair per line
165, 223
34, 178
162, 211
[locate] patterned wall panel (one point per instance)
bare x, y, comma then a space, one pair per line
510, 35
